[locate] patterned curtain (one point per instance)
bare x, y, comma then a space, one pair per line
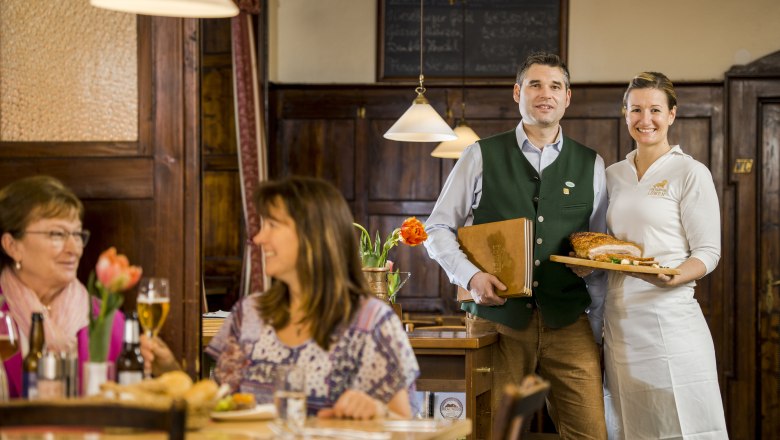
250, 135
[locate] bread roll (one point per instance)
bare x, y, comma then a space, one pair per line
201, 393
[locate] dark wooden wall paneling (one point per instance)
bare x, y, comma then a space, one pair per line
142, 197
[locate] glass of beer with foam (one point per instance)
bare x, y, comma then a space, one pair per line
153, 305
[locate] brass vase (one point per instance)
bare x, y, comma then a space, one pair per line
377, 281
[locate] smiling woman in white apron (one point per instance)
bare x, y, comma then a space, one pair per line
661, 380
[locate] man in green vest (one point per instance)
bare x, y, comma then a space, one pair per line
536, 172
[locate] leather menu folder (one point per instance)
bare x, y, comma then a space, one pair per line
503, 249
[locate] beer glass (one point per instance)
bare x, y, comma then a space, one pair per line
153, 305
9, 345
9, 340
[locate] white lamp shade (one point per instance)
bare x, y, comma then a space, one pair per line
420, 123
172, 8
453, 149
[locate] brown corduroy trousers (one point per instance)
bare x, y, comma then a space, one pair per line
567, 357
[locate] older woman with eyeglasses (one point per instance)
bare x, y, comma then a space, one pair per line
42, 240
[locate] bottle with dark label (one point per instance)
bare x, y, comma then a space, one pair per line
30, 363
130, 363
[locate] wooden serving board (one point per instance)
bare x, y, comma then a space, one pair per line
574, 261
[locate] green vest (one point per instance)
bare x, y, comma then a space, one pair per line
559, 203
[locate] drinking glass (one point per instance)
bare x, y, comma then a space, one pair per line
396, 280
290, 399
153, 303
9, 339
9, 345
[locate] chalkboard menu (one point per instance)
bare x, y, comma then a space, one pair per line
497, 35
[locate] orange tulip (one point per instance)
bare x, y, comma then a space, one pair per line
374, 254
114, 275
413, 232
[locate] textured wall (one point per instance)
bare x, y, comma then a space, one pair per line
68, 72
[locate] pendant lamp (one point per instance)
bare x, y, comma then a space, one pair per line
466, 136
420, 123
172, 8
453, 149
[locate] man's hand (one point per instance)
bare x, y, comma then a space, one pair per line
482, 286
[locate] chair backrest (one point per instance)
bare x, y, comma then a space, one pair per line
518, 404
94, 414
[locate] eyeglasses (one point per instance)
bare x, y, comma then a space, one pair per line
58, 237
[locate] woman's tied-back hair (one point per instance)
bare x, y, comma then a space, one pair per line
328, 266
545, 59
652, 80
34, 198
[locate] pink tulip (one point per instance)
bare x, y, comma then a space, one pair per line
114, 271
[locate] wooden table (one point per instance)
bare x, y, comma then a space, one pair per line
456, 361
261, 430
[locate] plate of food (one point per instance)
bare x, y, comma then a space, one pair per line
242, 406
603, 251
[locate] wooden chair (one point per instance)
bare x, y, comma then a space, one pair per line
94, 414
517, 406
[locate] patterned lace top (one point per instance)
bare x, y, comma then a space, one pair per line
372, 355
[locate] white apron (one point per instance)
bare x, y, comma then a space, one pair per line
661, 381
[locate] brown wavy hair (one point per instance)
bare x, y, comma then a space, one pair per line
30, 199
328, 265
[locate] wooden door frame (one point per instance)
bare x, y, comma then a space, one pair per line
746, 87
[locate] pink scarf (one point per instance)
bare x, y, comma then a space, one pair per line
63, 319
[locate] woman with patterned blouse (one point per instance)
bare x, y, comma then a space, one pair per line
317, 314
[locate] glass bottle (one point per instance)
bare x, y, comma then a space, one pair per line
130, 363
30, 363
